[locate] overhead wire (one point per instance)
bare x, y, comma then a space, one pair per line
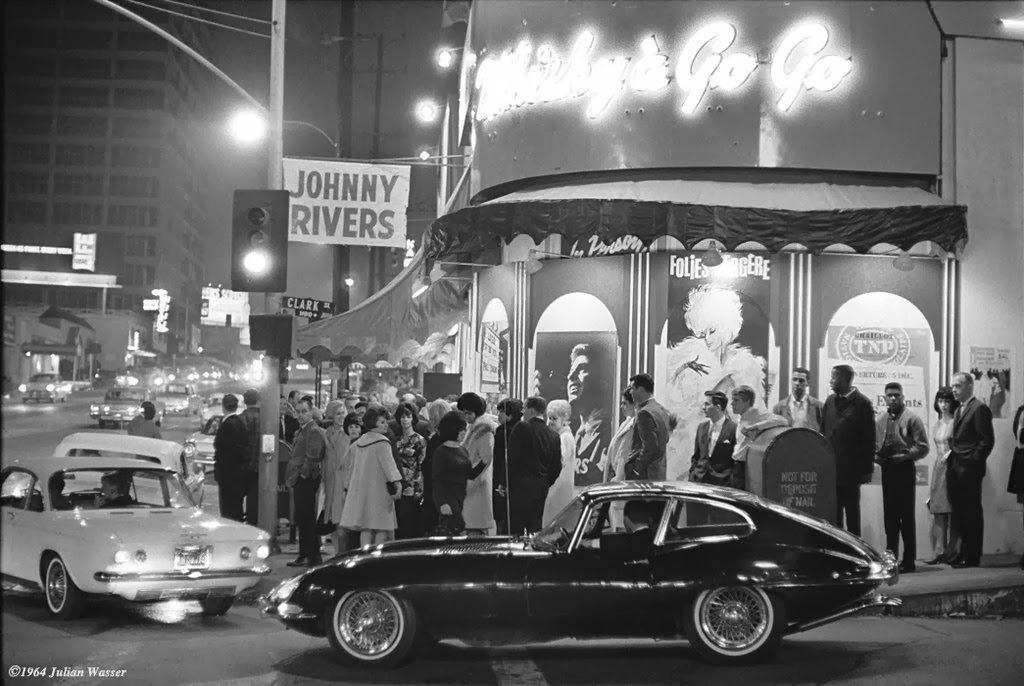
203, 21
213, 11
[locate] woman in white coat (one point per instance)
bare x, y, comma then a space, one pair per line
479, 443
561, 492
345, 431
376, 483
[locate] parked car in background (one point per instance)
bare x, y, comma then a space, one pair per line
180, 398
120, 405
199, 445
165, 453
731, 571
212, 406
63, 535
45, 388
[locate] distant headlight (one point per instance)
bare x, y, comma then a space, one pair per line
94, 408
190, 449
50, 387
158, 381
121, 556
263, 552
245, 553
22, 388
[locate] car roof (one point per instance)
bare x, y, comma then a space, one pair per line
139, 445
45, 466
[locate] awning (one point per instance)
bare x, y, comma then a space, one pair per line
57, 313
391, 324
814, 215
49, 349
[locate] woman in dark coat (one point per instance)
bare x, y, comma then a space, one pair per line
1016, 484
451, 469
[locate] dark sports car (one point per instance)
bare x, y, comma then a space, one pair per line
730, 571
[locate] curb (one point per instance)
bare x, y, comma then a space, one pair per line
1006, 601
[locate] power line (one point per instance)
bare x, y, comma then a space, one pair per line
191, 18
213, 11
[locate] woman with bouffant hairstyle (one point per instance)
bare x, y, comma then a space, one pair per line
376, 482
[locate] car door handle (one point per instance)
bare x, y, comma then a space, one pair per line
637, 563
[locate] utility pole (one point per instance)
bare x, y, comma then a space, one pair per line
346, 71
377, 254
269, 400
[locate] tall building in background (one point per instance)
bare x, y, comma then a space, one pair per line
99, 114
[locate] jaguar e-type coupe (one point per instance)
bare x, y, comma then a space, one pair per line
731, 571
86, 526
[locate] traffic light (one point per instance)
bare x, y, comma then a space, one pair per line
259, 241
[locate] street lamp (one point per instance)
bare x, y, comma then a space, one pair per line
250, 128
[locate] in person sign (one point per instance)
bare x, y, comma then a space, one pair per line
347, 203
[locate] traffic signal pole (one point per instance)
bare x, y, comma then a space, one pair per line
269, 397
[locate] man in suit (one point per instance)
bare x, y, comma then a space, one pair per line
900, 440
713, 445
650, 433
801, 409
534, 462
970, 444
849, 426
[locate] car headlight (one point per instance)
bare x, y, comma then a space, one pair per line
190, 449
245, 553
50, 387
94, 408
263, 552
284, 591
22, 388
121, 556
106, 408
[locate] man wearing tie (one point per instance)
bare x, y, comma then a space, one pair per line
970, 444
801, 409
713, 445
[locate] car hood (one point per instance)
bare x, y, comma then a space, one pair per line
190, 525
434, 547
200, 439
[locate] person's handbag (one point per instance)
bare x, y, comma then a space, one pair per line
324, 528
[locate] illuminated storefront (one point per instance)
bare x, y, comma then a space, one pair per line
829, 149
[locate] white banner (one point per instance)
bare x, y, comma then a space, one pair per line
219, 303
84, 254
347, 203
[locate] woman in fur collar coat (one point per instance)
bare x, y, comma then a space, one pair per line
479, 443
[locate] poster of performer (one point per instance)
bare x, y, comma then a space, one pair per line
718, 336
580, 367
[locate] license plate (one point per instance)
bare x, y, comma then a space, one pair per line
192, 557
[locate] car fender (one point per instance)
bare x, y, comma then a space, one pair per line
82, 555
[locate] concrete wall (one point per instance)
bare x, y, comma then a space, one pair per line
989, 179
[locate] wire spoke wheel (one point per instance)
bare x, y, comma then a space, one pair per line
369, 623
56, 586
735, 618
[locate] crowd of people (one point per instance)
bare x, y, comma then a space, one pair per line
375, 473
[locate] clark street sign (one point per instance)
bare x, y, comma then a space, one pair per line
310, 308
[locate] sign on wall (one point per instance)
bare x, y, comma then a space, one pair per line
83, 255
221, 303
347, 203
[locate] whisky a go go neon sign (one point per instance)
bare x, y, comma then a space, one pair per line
521, 77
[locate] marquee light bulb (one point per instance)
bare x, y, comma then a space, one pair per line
426, 111
445, 58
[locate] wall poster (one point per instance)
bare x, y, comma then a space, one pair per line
991, 370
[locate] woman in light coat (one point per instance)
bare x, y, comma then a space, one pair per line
561, 492
376, 483
338, 472
479, 443
618, 453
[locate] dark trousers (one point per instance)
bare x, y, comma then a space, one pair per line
963, 479
231, 489
527, 507
898, 482
305, 517
410, 521
251, 489
498, 509
848, 503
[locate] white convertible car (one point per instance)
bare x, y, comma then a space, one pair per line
121, 527
167, 453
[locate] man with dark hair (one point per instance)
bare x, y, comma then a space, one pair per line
534, 462
143, 424
849, 426
510, 412
970, 444
304, 472
801, 409
250, 473
230, 457
650, 433
589, 422
713, 445
293, 398
900, 441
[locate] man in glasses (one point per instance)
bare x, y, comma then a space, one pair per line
801, 409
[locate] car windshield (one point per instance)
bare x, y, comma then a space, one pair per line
174, 389
211, 426
215, 400
36, 378
106, 489
125, 394
557, 534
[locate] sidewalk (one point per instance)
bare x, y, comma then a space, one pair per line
995, 588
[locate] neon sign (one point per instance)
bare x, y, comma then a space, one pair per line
522, 77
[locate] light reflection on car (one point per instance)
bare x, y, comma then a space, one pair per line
120, 527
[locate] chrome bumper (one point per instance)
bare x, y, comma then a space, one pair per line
196, 575
282, 610
875, 601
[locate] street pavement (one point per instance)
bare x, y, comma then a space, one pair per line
171, 643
